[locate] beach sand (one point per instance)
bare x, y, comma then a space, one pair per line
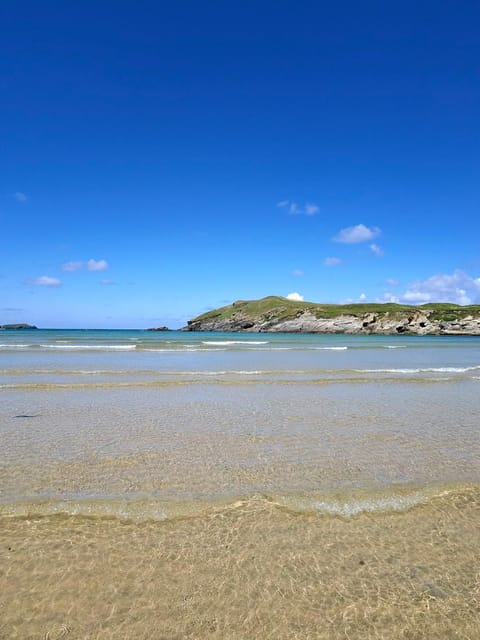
252, 569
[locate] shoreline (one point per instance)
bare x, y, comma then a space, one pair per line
338, 502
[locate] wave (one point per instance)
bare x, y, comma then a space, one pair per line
361, 501
159, 372
216, 373
182, 350
421, 370
215, 378
6, 347
353, 507
229, 342
330, 348
102, 347
145, 508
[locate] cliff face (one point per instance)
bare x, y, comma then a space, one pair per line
283, 316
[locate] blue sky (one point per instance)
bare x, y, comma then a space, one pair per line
160, 159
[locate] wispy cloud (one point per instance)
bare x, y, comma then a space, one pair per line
392, 282
90, 265
311, 209
389, 297
107, 282
73, 266
97, 265
457, 287
356, 234
308, 209
45, 281
20, 197
362, 297
376, 250
297, 272
331, 261
295, 296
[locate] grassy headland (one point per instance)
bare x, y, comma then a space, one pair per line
275, 313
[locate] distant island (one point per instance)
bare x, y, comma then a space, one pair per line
10, 327
277, 314
158, 329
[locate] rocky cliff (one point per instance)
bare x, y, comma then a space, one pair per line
275, 314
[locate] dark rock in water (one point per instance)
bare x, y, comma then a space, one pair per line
17, 326
158, 329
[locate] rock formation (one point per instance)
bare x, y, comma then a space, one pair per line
275, 314
17, 326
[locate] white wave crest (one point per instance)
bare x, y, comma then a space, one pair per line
184, 350
6, 347
354, 506
90, 347
421, 370
370, 505
330, 348
229, 342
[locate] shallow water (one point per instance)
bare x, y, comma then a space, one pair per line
238, 486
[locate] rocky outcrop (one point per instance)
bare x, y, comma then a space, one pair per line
158, 329
10, 327
417, 322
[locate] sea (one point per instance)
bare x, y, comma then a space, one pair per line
238, 485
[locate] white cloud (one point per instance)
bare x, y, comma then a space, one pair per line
90, 265
297, 272
73, 266
295, 296
358, 233
376, 250
458, 287
331, 261
311, 209
392, 282
20, 197
97, 265
45, 281
294, 208
388, 297
107, 282
308, 209
362, 297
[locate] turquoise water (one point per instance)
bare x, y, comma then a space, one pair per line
54, 352
159, 422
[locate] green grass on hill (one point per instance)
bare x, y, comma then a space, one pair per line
278, 308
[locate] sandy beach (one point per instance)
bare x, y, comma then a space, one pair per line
206, 486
